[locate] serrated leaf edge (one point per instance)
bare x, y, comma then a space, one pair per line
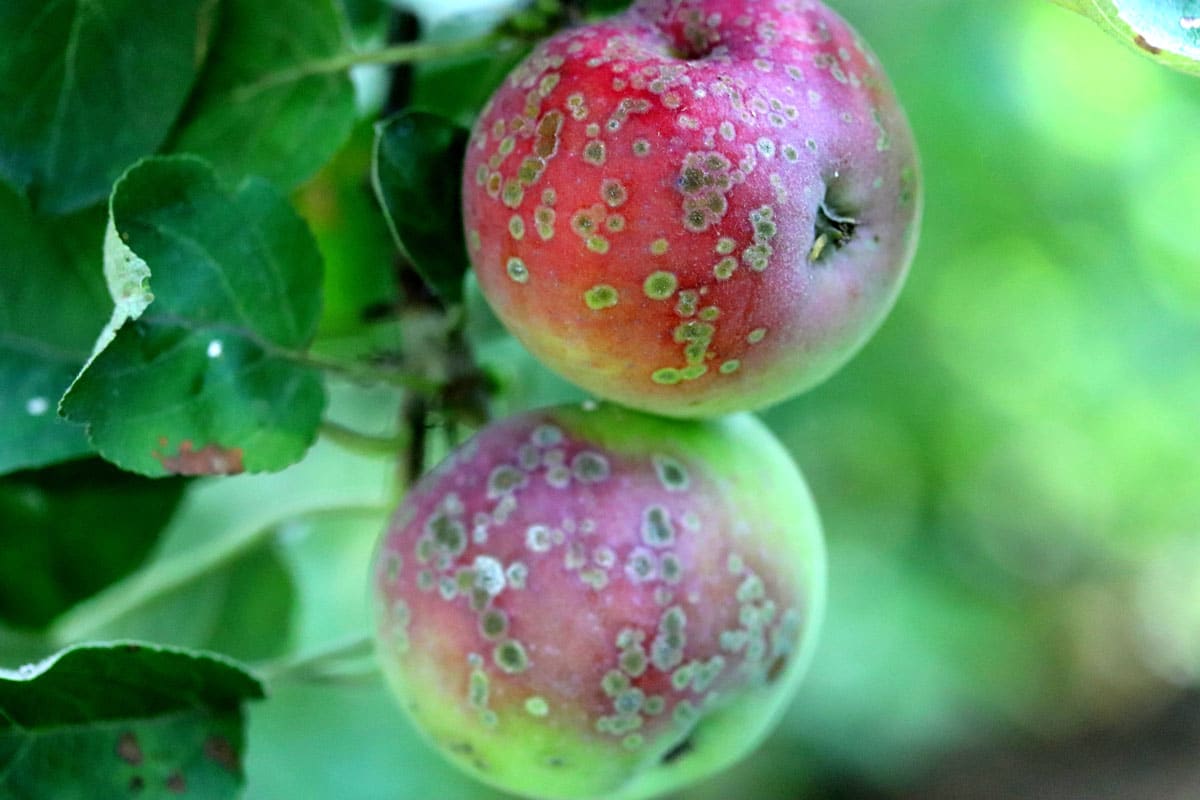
32, 671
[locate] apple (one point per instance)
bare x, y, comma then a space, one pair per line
591, 602
694, 207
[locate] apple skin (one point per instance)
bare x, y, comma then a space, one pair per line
590, 602
697, 206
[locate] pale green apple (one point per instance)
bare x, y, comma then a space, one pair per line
590, 602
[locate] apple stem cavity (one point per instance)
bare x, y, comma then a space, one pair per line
831, 229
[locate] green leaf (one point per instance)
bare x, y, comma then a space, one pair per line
1166, 30
19, 646
353, 238
217, 295
52, 304
52, 555
89, 87
269, 103
367, 20
417, 177
117, 720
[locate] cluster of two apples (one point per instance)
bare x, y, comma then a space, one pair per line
695, 209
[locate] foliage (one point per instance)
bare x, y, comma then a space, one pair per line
109, 720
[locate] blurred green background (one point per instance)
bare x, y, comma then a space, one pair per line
1009, 472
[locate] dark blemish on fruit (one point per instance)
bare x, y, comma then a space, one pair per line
546, 144
671, 473
704, 180
613, 192
447, 534
510, 657
667, 376
137, 783
505, 479
776, 669
513, 193
660, 285
679, 751
593, 152
517, 270
657, 530
590, 467
493, 624
600, 297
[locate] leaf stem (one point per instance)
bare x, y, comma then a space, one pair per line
406, 53
171, 573
324, 662
362, 443
414, 417
359, 372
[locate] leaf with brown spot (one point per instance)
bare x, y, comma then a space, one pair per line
212, 459
220, 751
1141, 42
141, 720
217, 297
128, 749
176, 783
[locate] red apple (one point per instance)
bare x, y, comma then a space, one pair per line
600, 603
697, 206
